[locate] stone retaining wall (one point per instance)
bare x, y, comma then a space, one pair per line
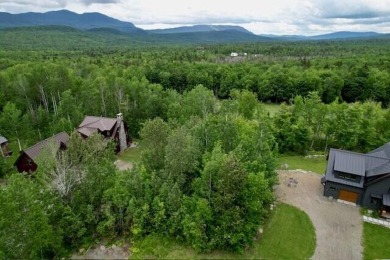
376, 221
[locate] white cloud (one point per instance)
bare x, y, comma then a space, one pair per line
275, 16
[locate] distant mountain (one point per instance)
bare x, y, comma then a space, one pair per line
344, 35
65, 38
285, 37
201, 28
228, 36
83, 21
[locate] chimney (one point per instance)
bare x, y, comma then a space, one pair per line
122, 133
119, 117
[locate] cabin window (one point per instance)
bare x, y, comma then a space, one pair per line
332, 188
374, 201
348, 176
29, 161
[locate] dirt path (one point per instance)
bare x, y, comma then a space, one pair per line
104, 252
122, 165
338, 226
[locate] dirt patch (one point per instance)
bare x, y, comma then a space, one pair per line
123, 166
338, 226
104, 252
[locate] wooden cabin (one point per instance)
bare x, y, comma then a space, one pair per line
26, 161
111, 128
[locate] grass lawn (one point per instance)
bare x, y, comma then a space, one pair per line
288, 234
376, 241
317, 164
132, 154
272, 108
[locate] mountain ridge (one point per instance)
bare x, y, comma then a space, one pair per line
64, 17
98, 23
200, 28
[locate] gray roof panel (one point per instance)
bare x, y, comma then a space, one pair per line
3, 139
384, 148
350, 162
380, 170
329, 175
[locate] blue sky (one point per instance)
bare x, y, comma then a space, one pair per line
308, 17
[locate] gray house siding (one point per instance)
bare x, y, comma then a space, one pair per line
372, 191
333, 189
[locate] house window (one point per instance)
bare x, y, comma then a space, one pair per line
348, 176
29, 161
332, 188
375, 199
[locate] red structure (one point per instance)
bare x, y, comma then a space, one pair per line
26, 160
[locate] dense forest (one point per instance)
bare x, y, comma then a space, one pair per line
209, 145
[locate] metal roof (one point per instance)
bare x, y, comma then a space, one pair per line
374, 164
384, 148
382, 169
350, 162
380, 154
3, 139
386, 200
90, 124
360, 164
36, 149
329, 175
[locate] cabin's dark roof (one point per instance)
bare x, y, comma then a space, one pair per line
385, 149
350, 163
92, 124
3, 139
386, 200
333, 154
36, 149
365, 165
382, 169
375, 179
371, 164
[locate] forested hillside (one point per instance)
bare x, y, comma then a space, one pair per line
208, 159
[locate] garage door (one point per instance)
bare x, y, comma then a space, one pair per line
348, 196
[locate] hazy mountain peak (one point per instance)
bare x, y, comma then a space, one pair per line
201, 28
64, 17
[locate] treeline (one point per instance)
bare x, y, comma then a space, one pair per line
205, 177
311, 125
51, 90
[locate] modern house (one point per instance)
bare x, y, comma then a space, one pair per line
111, 128
363, 179
26, 161
4, 149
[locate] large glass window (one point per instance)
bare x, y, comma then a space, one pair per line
348, 176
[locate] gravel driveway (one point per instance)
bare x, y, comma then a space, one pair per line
338, 226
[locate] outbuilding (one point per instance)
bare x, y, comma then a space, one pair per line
4, 148
27, 160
